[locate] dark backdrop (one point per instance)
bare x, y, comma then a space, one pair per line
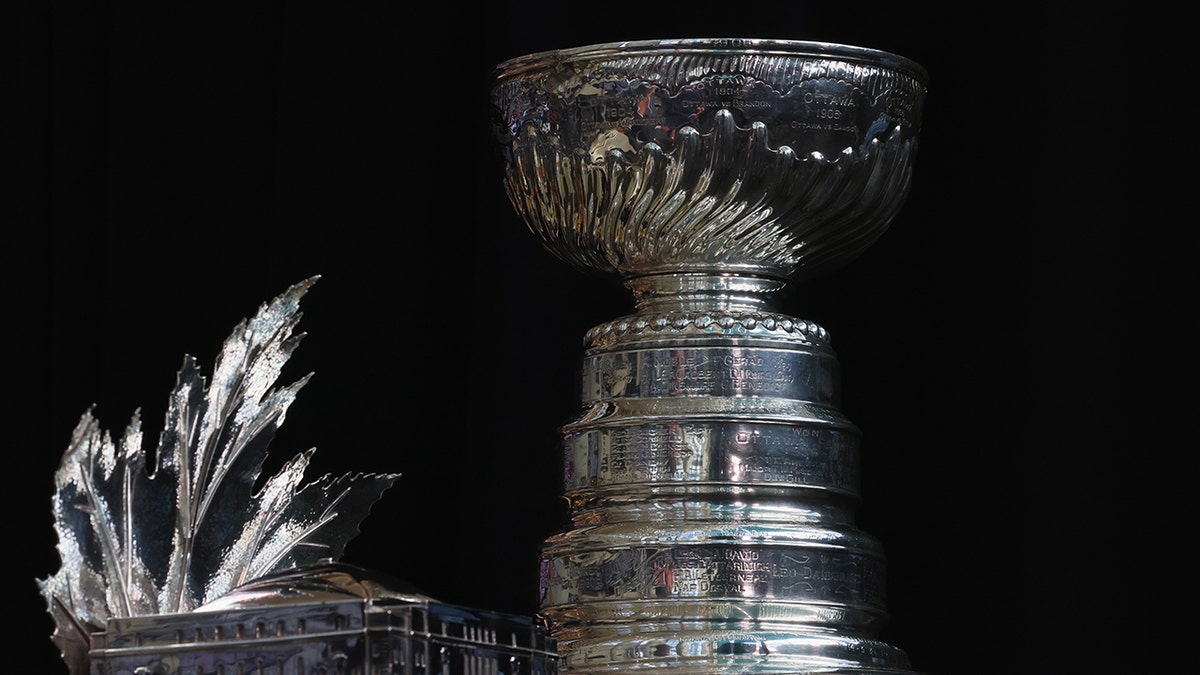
1017, 347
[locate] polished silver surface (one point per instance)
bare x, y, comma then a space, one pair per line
711, 474
767, 158
185, 563
143, 535
330, 618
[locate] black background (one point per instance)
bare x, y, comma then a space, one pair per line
1017, 348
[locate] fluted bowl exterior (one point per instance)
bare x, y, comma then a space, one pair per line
773, 158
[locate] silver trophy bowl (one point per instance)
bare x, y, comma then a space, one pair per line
711, 475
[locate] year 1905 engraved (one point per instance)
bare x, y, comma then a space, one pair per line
825, 105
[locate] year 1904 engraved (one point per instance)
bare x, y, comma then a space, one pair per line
754, 100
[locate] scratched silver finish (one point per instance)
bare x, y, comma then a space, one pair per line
712, 476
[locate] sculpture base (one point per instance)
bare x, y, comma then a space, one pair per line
332, 619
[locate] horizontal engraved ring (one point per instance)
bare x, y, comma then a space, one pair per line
818, 455
623, 412
719, 648
712, 371
797, 573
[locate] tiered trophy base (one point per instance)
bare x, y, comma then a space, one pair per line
712, 481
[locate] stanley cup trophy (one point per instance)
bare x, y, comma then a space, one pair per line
711, 476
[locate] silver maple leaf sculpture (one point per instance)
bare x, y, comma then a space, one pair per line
136, 540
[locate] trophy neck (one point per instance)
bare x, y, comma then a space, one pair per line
693, 291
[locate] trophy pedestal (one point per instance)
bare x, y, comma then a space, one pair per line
712, 480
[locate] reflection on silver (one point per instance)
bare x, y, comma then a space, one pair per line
711, 475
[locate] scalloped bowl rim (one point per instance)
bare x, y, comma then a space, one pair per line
766, 46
